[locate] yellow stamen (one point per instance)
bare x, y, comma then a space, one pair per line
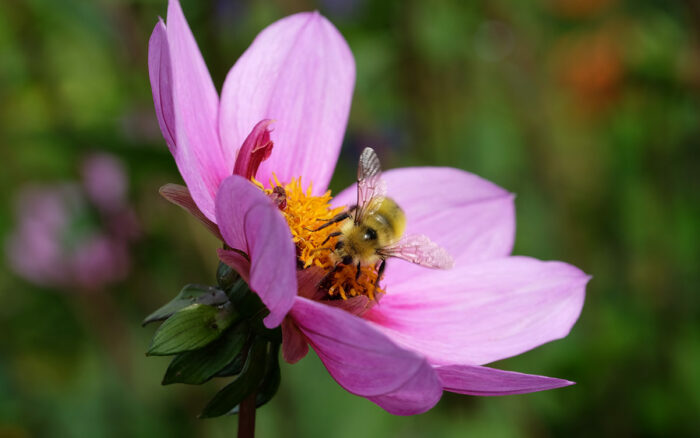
305, 213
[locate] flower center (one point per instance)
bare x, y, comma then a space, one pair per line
305, 213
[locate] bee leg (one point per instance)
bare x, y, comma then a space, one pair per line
320, 249
380, 271
338, 244
324, 283
335, 234
334, 220
357, 273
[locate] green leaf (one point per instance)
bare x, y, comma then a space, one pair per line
249, 303
226, 277
247, 381
191, 328
234, 367
198, 366
270, 384
190, 294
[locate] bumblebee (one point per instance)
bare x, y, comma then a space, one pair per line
372, 230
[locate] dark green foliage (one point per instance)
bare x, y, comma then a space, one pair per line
190, 294
226, 277
198, 366
234, 367
271, 382
243, 385
191, 328
220, 334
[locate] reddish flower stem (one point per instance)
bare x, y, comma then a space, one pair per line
246, 417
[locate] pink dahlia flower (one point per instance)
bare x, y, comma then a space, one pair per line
421, 331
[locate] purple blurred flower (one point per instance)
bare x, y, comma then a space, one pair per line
73, 237
105, 182
433, 330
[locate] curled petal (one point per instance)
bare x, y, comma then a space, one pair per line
294, 345
180, 196
237, 261
483, 312
416, 396
250, 222
256, 148
473, 219
299, 72
476, 380
159, 72
308, 280
361, 359
187, 108
355, 305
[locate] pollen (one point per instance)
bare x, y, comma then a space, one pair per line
304, 214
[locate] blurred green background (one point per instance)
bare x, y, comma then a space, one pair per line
588, 110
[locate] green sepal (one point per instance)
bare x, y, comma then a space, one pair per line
234, 367
247, 381
273, 335
270, 384
238, 291
190, 294
226, 276
251, 304
191, 328
198, 366
245, 301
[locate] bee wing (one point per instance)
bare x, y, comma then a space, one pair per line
371, 188
419, 249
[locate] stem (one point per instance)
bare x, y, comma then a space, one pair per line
246, 417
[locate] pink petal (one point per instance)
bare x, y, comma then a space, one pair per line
355, 305
366, 362
294, 345
416, 396
250, 222
237, 261
480, 313
256, 148
300, 73
473, 219
180, 196
159, 72
187, 108
476, 380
